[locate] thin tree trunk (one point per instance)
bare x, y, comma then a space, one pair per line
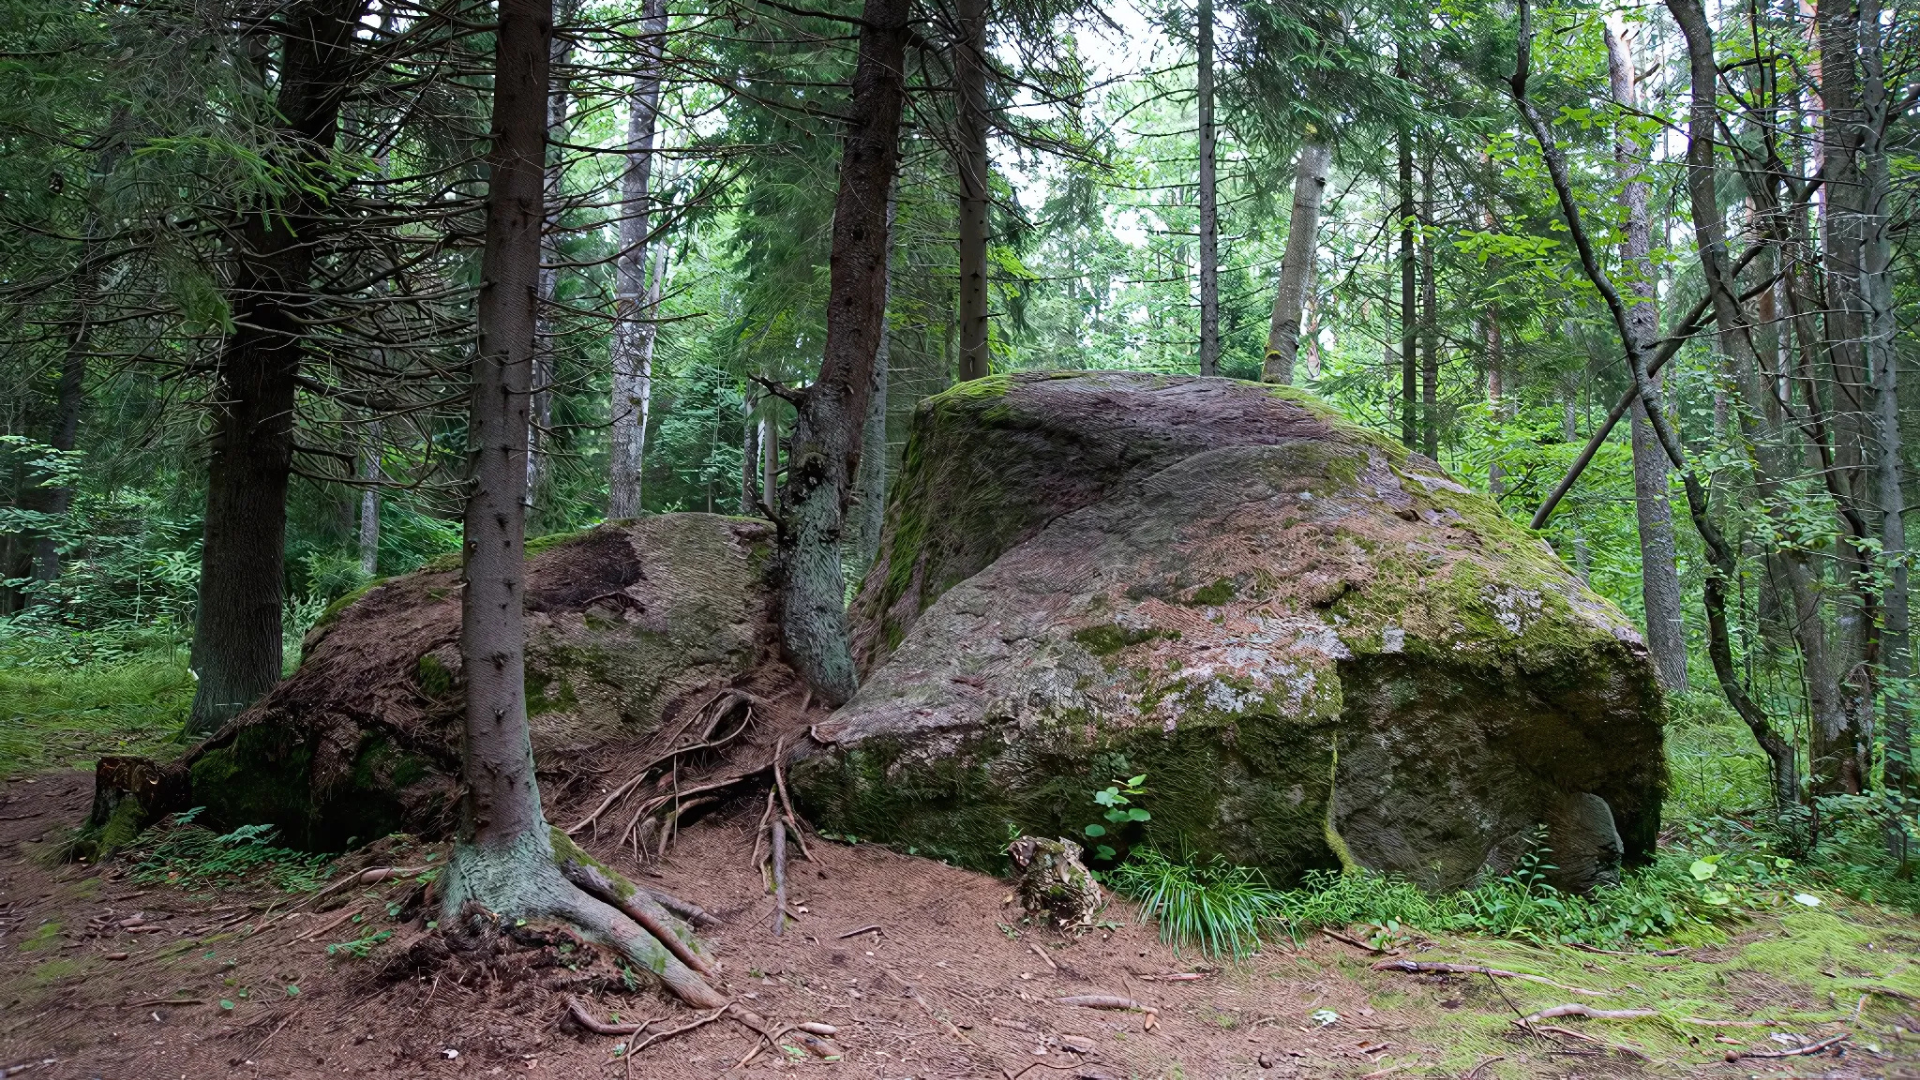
237, 632
70, 399
1296, 266
1409, 370
1660, 575
1876, 289
630, 274
1209, 205
370, 476
970, 87
1496, 395
544, 362
749, 458
1429, 321
769, 455
824, 453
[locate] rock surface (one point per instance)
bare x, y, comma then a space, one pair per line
624, 622
1320, 649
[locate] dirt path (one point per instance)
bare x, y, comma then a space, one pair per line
947, 983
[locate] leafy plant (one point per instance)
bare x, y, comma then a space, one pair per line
1117, 798
359, 948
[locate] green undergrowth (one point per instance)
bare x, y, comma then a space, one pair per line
67, 697
1224, 909
180, 853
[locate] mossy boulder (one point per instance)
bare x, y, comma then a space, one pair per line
1320, 649
625, 622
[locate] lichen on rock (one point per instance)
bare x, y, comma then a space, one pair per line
1215, 584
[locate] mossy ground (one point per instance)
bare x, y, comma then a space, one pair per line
58, 713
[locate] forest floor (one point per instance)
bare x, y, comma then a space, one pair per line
923, 969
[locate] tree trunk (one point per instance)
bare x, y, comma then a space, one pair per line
1209, 205
769, 455
824, 453
1409, 320
370, 475
1296, 266
540, 423
1429, 322
630, 389
869, 511
1660, 575
1844, 130
237, 633
1876, 290
749, 457
970, 158
1731, 326
69, 401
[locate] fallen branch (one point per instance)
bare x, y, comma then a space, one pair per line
870, 928
1422, 967
1355, 942
1109, 1001
1559, 1011
309, 935
1618, 1048
1042, 954
779, 876
1475, 1071
374, 876
1810, 1048
577, 1009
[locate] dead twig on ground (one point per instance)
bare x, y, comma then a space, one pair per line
1042, 954
870, 928
1618, 1048
1801, 1051
1475, 1071
1114, 1002
1559, 1011
1423, 967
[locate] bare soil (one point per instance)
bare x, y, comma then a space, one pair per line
922, 969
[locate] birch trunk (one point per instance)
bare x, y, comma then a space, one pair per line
631, 326
1296, 266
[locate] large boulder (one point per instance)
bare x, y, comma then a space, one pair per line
625, 623
1319, 649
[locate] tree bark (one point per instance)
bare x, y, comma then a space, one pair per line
1876, 290
974, 168
749, 457
870, 482
824, 451
544, 361
370, 475
1429, 321
1409, 320
1209, 204
631, 383
1660, 575
237, 633
1296, 266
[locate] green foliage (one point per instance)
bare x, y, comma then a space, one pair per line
71, 695
1216, 906
1119, 815
178, 852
